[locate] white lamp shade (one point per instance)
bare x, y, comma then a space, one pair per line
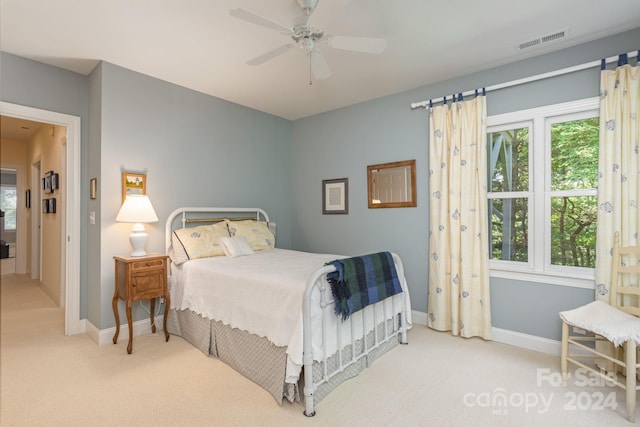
137, 209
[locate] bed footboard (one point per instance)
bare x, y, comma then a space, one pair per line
386, 332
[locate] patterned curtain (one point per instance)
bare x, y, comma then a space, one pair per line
458, 245
618, 167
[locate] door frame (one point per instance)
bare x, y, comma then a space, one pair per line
36, 218
71, 236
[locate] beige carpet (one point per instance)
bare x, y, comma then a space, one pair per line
48, 379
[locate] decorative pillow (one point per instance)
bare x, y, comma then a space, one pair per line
257, 233
176, 252
198, 242
235, 246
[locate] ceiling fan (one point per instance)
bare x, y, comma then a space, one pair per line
309, 39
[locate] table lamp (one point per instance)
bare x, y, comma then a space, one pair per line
138, 210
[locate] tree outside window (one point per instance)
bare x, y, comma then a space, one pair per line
8, 203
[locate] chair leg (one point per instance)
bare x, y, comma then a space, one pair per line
565, 352
630, 350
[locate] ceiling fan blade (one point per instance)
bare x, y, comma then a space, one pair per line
357, 44
270, 55
258, 20
319, 66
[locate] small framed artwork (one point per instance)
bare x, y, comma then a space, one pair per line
46, 185
55, 183
45, 206
93, 188
27, 199
52, 205
133, 183
335, 196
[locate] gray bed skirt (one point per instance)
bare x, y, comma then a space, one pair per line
264, 363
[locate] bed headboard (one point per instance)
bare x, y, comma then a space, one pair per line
182, 217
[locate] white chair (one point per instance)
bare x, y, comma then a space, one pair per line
616, 323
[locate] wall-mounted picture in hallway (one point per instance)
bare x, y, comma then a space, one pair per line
55, 181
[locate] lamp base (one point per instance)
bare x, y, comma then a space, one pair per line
138, 238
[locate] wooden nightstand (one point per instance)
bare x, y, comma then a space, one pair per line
140, 278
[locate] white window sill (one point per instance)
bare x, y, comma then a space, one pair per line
575, 281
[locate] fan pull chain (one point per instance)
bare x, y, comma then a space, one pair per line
310, 71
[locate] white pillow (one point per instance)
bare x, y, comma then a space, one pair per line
235, 246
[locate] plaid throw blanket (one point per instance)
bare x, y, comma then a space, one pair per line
363, 280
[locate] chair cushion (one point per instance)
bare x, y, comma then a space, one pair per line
604, 320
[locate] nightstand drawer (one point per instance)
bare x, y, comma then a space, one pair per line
146, 264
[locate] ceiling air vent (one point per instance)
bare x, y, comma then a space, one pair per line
541, 40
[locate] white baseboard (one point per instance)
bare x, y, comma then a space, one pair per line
505, 336
530, 342
419, 317
105, 336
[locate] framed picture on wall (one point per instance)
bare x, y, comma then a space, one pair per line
133, 183
335, 196
52, 205
55, 183
47, 183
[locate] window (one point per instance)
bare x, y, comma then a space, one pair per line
8, 199
542, 193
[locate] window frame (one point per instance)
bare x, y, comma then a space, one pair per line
539, 268
15, 210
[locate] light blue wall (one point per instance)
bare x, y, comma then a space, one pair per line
341, 143
196, 150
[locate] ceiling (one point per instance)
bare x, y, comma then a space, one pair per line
198, 45
20, 130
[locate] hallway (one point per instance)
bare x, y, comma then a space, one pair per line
7, 266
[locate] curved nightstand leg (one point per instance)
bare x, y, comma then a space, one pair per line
130, 323
152, 310
114, 304
167, 300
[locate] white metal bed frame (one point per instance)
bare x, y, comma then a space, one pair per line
317, 280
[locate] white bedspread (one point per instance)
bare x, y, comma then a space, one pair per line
260, 293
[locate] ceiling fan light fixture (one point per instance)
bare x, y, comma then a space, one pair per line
307, 44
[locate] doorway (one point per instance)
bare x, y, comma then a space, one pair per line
8, 218
70, 234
